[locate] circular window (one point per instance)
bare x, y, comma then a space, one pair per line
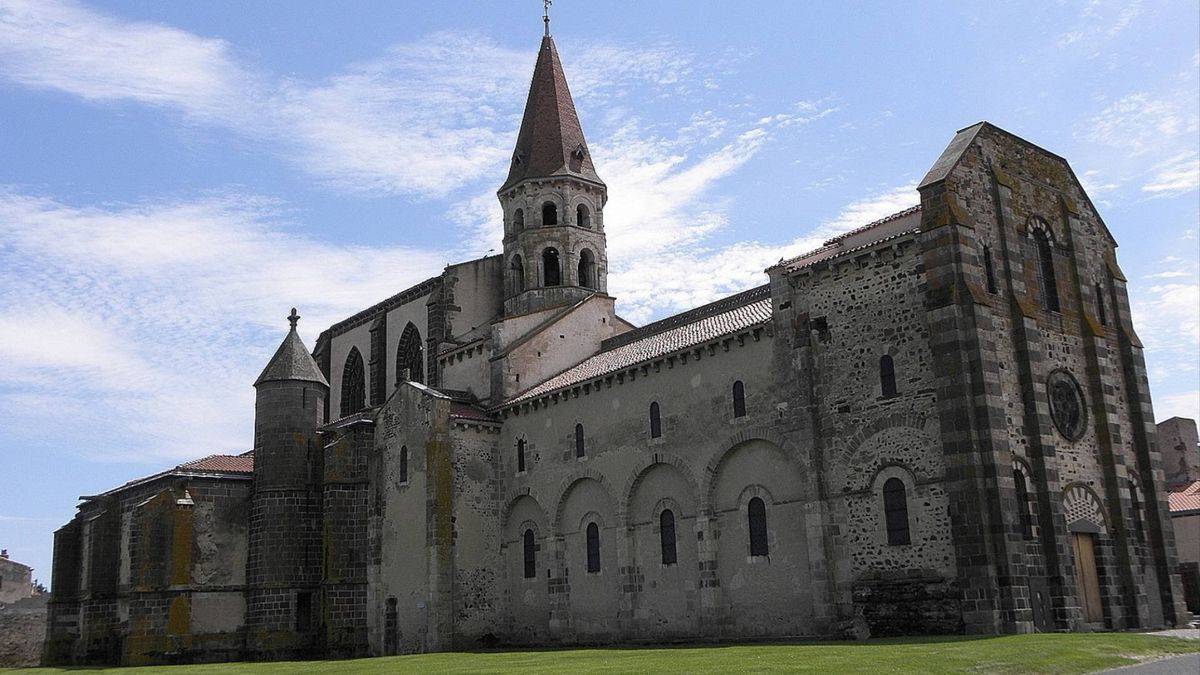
1066, 404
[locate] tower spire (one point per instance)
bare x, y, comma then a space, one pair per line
546, 14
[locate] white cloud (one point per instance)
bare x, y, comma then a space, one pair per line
1177, 175
161, 314
1180, 404
1139, 123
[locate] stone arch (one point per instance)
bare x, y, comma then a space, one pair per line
567, 486
892, 440
410, 355
737, 442
635, 480
1083, 509
512, 505
1036, 224
583, 215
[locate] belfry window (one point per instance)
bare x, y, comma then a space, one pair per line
756, 513
1023, 515
518, 220
1045, 253
410, 356
655, 421
403, 464
887, 376
549, 214
517, 272
583, 217
354, 387
988, 270
587, 269
593, 548
520, 455
579, 450
529, 554
551, 273
666, 535
739, 399
895, 507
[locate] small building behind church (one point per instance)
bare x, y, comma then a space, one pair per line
938, 422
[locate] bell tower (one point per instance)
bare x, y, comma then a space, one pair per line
553, 201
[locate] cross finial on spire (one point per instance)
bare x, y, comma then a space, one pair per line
293, 318
546, 14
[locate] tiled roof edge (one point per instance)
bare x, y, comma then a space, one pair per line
690, 316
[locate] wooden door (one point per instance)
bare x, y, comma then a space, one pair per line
1087, 582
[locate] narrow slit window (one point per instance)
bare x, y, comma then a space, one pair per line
887, 376
1100, 309
593, 548
895, 506
988, 270
666, 534
520, 455
403, 464
1135, 505
655, 421
529, 554
1049, 284
579, 449
1024, 517
756, 513
739, 399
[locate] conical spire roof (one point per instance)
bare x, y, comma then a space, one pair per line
551, 141
292, 360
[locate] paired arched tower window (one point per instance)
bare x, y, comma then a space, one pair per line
579, 449
529, 554
410, 355
739, 399
551, 272
517, 272
518, 220
895, 507
655, 421
887, 376
354, 384
587, 269
1045, 268
549, 214
666, 535
756, 514
593, 548
583, 217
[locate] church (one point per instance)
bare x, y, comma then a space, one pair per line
936, 423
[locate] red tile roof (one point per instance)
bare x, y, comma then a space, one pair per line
243, 463
757, 310
1185, 499
466, 411
896, 225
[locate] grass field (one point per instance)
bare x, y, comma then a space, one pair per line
1045, 653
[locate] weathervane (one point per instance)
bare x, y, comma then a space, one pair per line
546, 14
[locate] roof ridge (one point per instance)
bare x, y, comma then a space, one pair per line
687, 316
875, 223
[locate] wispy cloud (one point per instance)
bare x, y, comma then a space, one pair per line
1177, 175
1139, 123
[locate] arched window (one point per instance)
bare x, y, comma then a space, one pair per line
989, 271
895, 507
655, 422
529, 554
517, 272
887, 376
1100, 310
587, 269
551, 274
579, 440
410, 356
549, 214
583, 218
1135, 505
756, 511
593, 548
354, 385
739, 399
518, 220
1045, 270
666, 535
403, 464
1023, 515
520, 455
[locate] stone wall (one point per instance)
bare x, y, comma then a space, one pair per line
22, 632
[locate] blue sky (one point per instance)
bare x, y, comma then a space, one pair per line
176, 176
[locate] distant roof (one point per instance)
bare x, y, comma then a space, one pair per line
700, 325
896, 225
550, 142
1185, 499
292, 362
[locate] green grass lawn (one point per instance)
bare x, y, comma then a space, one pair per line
1045, 653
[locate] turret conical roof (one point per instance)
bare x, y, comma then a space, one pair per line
292, 360
551, 141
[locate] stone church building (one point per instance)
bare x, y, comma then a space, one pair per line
936, 423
